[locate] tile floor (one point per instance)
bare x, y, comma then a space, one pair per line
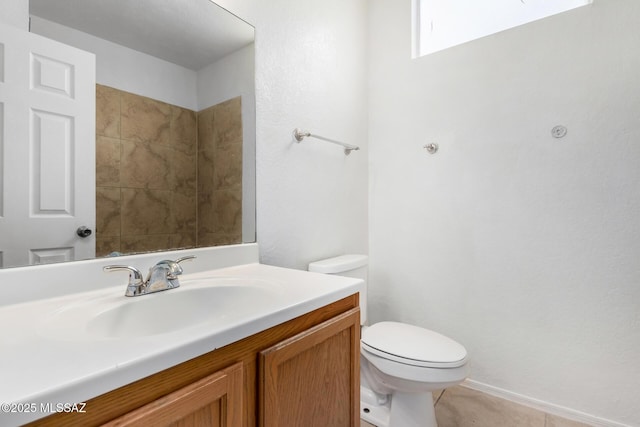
463, 407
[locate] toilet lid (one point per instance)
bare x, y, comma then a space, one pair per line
413, 345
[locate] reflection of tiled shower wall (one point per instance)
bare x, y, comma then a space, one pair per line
220, 174
146, 173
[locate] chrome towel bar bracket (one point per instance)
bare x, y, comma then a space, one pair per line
300, 134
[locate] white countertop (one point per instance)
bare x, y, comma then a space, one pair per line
40, 366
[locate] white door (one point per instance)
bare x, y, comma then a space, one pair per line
47, 150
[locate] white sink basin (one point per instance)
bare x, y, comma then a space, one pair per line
194, 303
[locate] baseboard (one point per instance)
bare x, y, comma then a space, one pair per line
541, 405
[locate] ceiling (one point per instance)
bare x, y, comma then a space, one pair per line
190, 33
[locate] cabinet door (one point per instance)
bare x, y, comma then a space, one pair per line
213, 401
313, 378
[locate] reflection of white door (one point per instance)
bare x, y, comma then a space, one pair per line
47, 150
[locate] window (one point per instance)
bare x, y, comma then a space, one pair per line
445, 23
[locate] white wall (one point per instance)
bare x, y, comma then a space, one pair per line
15, 13
311, 73
227, 78
521, 246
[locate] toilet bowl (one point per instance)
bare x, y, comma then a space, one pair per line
407, 363
400, 364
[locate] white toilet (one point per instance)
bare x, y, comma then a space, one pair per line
400, 364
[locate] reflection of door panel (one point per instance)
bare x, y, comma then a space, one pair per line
47, 149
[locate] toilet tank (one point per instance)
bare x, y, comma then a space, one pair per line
350, 266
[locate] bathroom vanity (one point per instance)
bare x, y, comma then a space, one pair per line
278, 377
281, 348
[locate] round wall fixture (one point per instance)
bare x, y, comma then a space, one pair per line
558, 131
431, 148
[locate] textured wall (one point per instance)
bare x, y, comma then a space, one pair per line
521, 246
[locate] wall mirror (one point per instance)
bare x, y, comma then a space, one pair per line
170, 120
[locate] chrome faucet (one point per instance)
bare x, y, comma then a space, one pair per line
162, 276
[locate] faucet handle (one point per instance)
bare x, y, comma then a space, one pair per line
135, 277
136, 282
186, 258
173, 267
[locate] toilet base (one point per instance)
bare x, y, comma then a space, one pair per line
412, 410
374, 408
402, 410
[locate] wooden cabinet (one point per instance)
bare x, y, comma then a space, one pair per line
215, 401
313, 378
304, 372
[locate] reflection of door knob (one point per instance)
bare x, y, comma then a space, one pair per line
83, 231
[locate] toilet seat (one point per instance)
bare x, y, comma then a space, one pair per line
412, 345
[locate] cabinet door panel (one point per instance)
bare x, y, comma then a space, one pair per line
215, 400
313, 378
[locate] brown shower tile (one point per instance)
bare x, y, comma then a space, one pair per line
206, 215
145, 119
183, 129
556, 421
227, 122
106, 245
205, 129
153, 158
202, 239
146, 211
213, 239
136, 244
108, 211
227, 166
206, 167
184, 212
227, 212
183, 241
107, 111
463, 407
183, 171
107, 161
145, 165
